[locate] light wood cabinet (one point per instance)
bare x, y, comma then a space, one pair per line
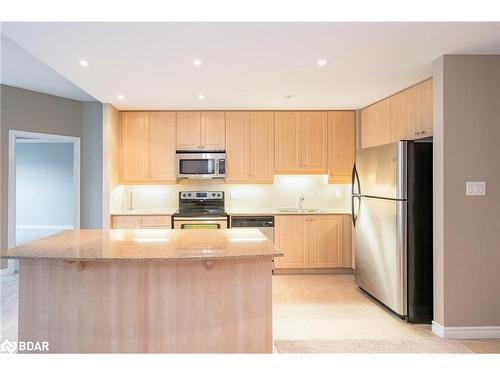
135, 147
405, 115
200, 131
188, 130
290, 238
376, 124
426, 124
213, 131
162, 146
314, 142
249, 147
324, 240
237, 147
288, 130
261, 140
341, 146
147, 147
138, 221
301, 142
313, 241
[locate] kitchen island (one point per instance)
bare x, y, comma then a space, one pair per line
147, 291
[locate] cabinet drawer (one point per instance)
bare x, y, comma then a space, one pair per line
156, 221
125, 222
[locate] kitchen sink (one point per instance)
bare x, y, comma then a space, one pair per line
300, 210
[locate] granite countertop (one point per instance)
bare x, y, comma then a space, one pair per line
271, 211
147, 244
275, 212
160, 211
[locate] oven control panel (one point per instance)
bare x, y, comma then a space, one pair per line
201, 195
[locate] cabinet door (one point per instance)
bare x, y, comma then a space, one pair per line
425, 109
261, 139
287, 142
188, 131
290, 239
376, 124
135, 147
162, 146
213, 131
405, 114
314, 143
324, 241
237, 147
341, 146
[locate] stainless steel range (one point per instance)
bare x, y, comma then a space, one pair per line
201, 210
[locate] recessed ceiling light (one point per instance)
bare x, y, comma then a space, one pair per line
84, 62
291, 96
121, 97
322, 62
197, 62
201, 96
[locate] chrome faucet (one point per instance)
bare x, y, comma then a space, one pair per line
301, 199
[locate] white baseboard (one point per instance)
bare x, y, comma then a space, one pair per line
484, 332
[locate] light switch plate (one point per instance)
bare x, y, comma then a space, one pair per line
475, 188
232, 195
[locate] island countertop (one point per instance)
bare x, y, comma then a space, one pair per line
147, 244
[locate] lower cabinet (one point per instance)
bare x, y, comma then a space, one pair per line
313, 241
137, 221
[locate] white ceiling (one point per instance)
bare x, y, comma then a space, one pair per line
21, 69
248, 65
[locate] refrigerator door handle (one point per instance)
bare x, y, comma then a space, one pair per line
355, 180
354, 216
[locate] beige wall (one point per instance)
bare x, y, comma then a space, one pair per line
466, 229
36, 112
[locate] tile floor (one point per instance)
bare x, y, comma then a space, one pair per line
316, 314
329, 313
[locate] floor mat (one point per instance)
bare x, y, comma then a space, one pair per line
420, 345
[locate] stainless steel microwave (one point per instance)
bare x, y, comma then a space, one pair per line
200, 165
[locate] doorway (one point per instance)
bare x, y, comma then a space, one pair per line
44, 186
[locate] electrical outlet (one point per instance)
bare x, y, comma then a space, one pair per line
475, 188
338, 194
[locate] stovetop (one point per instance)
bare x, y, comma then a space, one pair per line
201, 204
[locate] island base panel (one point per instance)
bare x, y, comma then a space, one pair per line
147, 306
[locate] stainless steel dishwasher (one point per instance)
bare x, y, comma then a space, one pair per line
264, 223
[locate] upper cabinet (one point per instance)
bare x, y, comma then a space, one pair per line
250, 147
425, 129
404, 116
341, 146
376, 124
147, 147
134, 147
314, 141
301, 142
201, 131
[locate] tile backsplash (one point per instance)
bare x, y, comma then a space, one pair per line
284, 192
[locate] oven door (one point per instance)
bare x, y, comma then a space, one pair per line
200, 223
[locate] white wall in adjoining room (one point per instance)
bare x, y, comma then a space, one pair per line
44, 189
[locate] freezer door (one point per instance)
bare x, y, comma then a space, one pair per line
382, 170
381, 250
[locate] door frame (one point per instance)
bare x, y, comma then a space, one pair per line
11, 203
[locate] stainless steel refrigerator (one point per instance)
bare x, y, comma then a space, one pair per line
392, 216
